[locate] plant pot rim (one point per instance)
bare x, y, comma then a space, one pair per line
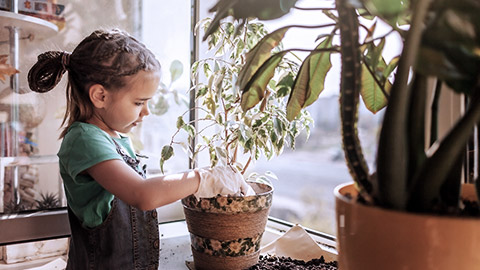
350, 200
233, 204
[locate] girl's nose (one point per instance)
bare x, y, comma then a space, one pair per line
145, 110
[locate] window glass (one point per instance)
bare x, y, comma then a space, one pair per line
166, 30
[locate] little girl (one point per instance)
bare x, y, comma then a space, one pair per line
111, 207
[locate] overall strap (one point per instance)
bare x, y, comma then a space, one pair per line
132, 162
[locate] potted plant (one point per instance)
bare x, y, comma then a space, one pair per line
415, 193
226, 230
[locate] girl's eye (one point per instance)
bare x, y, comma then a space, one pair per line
139, 103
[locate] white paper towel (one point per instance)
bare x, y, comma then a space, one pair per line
296, 243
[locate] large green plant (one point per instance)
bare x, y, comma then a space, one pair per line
229, 134
441, 42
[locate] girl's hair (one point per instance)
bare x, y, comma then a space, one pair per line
104, 57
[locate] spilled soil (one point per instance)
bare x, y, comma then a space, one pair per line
269, 262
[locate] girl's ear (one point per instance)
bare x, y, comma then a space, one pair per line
97, 95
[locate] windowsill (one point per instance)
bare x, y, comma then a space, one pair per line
175, 241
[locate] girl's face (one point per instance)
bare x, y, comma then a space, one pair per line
126, 107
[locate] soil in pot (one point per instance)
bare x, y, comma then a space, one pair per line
269, 262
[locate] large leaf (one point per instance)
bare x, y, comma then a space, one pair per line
222, 9
320, 64
371, 91
435, 62
255, 89
310, 80
385, 8
456, 66
242, 9
451, 44
258, 55
375, 73
298, 96
390, 10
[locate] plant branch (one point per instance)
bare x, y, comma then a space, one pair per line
206, 127
226, 130
332, 49
312, 9
246, 165
312, 26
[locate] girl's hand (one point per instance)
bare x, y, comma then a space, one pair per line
222, 180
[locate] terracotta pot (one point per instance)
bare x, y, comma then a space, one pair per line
225, 232
375, 238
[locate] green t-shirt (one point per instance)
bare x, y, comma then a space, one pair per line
85, 145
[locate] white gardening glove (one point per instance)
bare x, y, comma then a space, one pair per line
222, 180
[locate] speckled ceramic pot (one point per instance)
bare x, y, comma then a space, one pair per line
226, 231
375, 238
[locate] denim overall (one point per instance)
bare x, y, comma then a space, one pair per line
127, 239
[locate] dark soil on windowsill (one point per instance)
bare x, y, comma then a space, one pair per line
270, 262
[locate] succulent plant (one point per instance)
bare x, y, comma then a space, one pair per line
48, 201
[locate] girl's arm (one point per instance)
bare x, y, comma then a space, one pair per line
123, 182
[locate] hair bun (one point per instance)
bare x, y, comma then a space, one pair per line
48, 71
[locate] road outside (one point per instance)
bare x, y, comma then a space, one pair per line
304, 190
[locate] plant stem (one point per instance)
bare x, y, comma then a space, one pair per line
350, 85
433, 174
246, 165
416, 127
392, 166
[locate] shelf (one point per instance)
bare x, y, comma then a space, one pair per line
27, 160
27, 25
55, 224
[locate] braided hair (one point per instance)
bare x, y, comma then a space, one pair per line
104, 57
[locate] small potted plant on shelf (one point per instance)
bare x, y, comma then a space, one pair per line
411, 212
233, 130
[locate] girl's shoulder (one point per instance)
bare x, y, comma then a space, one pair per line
80, 129
80, 133
86, 143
